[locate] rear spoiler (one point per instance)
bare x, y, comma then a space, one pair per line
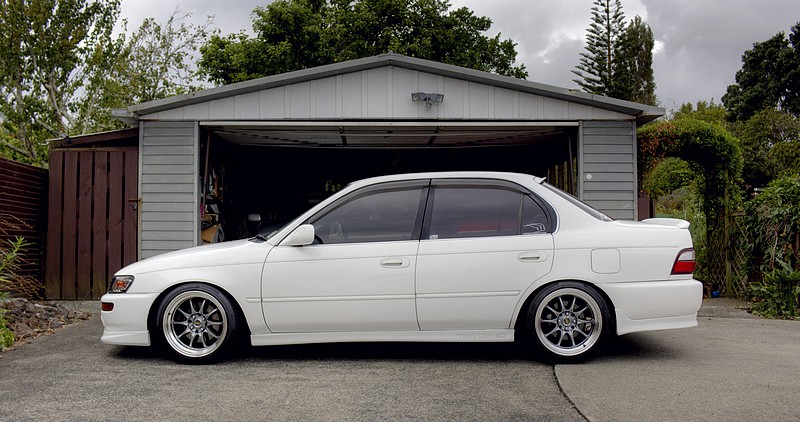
676, 222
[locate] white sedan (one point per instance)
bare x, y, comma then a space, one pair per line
452, 257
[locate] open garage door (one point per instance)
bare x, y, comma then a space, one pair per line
272, 172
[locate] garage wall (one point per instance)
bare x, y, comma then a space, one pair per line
607, 167
168, 186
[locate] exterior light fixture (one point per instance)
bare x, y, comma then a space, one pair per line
428, 97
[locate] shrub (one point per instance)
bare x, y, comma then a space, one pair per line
773, 225
9, 261
776, 296
773, 219
6, 336
12, 258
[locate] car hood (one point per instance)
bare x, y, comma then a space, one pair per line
224, 253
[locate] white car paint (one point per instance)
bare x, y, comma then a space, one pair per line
343, 287
483, 275
471, 289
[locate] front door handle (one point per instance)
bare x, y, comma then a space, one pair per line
394, 262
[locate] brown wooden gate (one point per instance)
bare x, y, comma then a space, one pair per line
92, 219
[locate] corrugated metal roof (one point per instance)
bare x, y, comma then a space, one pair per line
643, 113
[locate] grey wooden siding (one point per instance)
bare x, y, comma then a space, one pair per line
608, 167
385, 93
168, 186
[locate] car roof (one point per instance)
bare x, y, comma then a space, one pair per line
515, 177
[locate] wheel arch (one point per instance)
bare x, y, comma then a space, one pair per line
152, 314
519, 320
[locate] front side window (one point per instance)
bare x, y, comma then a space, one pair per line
461, 212
374, 217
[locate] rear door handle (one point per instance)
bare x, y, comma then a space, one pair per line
532, 256
394, 262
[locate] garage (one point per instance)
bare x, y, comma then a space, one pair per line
232, 161
277, 174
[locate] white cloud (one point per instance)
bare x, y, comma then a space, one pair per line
698, 43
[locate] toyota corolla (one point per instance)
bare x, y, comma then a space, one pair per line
447, 257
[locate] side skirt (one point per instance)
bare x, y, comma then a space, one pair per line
451, 336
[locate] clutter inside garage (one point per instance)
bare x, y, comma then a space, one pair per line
257, 186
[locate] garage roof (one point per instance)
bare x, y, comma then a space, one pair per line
642, 113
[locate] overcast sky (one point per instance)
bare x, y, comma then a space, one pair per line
699, 43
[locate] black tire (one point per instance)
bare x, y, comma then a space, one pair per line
568, 321
197, 323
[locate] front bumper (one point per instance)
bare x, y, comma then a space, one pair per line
655, 305
126, 324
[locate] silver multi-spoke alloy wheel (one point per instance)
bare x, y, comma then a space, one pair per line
195, 324
568, 322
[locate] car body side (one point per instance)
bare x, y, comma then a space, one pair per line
629, 263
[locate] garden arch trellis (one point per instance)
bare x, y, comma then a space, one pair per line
715, 154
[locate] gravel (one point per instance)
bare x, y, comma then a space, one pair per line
28, 319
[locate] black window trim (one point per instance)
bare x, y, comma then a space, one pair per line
421, 229
424, 184
550, 213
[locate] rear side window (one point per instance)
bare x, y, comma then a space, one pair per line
463, 212
534, 219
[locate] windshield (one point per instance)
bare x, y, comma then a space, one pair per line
578, 203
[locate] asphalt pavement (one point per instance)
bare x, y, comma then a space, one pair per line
733, 366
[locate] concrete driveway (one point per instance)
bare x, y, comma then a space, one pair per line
732, 367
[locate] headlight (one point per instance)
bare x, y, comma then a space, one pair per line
120, 283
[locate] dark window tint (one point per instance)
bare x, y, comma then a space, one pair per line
534, 219
375, 217
474, 212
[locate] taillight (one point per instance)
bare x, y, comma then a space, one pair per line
684, 263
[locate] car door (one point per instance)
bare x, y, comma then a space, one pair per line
359, 273
483, 244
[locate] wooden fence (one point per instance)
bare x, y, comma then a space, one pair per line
92, 224
23, 211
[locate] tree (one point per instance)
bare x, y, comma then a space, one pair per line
634, 80
153, 62
769, 78
299, 34
62, 71
770, 142
709, 112
44, 48
597, 64
618, 61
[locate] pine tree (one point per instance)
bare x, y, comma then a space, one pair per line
618, 61
596, 68
634, 78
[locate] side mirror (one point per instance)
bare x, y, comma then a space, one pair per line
301, 236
